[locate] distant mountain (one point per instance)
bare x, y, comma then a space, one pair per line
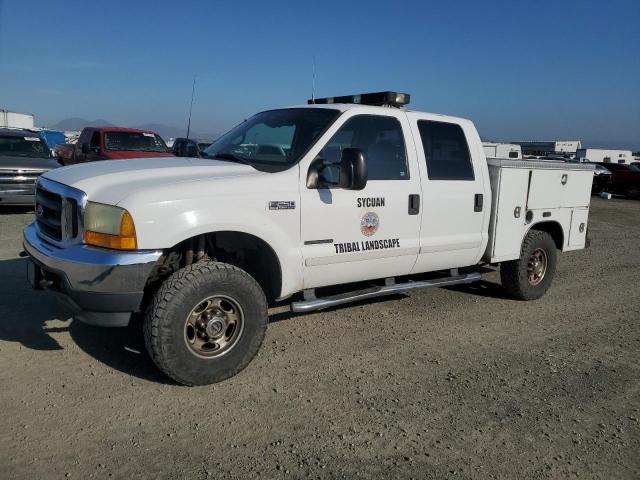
77, 123
165, 131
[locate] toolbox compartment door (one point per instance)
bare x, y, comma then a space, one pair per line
577, 189
509, 210
545, 189
578, 233
559, 188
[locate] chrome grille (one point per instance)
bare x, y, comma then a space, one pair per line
49, 213
58, 211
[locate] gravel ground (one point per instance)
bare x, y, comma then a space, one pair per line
445, 383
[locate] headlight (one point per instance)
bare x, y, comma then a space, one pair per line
109, 227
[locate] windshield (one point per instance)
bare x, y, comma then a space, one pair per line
274, 140
134, 142
27, 146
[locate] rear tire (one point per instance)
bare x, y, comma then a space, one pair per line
206, 323
529, 277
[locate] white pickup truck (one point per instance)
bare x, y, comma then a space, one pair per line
354, 193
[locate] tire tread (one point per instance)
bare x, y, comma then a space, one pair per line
155, 325
513, 273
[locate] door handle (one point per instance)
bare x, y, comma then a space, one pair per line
414, 204
478, 202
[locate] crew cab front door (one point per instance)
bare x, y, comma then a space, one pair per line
351, 235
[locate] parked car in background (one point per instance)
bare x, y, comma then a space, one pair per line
204, 144
601, 179
625, 179
111, 143
24, 156
186, 147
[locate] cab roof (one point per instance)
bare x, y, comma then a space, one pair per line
120, 129
371, 109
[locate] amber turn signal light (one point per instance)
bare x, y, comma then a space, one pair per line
125, 240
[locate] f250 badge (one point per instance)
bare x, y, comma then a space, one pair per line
282, 205
369, 223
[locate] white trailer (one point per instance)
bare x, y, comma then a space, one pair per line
502, 150
604, 155
16, 120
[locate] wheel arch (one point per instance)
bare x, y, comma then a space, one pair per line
553, 228
241, 249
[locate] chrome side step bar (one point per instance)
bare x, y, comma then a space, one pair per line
311, 303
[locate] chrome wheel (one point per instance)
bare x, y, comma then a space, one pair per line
536, 266
214, 326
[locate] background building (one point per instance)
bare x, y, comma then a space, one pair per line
552, 147
606, 156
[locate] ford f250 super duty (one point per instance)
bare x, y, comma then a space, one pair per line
354, 193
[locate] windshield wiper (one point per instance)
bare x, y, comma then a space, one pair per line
229, 157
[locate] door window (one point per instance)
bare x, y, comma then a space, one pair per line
379, 138
446, 151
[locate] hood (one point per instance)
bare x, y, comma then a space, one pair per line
110, 181
125, 154
27, 163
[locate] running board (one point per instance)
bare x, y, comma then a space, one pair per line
311, 303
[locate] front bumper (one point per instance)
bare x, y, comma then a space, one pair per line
102, 287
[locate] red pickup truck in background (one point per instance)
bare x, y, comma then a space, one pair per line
111, 143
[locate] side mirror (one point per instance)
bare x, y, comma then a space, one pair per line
86, 149
353, 169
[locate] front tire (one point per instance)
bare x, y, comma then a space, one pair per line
529, 277
206, 323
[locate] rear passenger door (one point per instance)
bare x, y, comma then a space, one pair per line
351, 235
456, 194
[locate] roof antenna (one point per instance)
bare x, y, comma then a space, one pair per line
193, 89
313, 81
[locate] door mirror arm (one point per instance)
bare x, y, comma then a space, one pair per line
352, 171
316, 178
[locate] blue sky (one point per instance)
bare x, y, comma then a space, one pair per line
518, 69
